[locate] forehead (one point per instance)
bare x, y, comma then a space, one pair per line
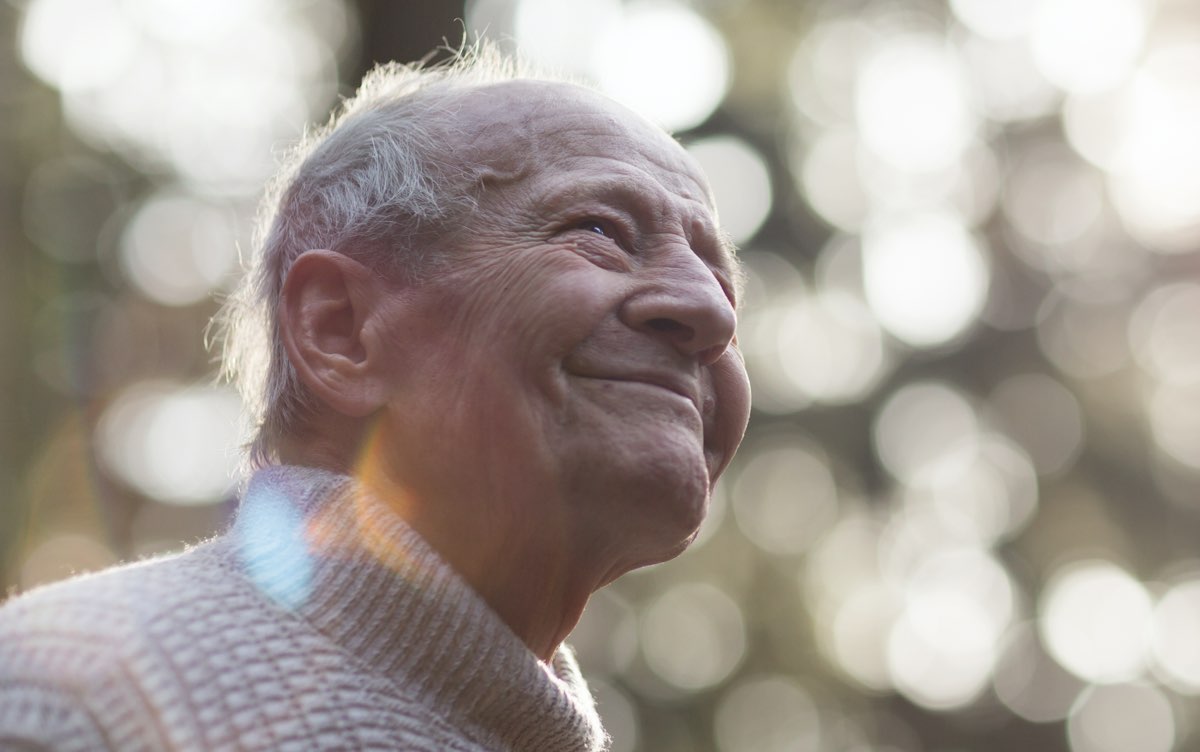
519, 129
553, 142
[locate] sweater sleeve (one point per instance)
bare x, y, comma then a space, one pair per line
34, 717
65, 684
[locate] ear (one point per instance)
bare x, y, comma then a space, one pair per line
326, 302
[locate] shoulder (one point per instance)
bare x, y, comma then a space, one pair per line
127, 618
101, 607
74, 655
187, 653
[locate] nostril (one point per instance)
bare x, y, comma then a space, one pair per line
671, 326
712, 354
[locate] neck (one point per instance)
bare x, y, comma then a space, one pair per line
535, 598
525, 569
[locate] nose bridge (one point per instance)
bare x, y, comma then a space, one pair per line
682, 301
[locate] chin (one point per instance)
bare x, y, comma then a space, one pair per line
679, 547
650, 503
671, 534
681, 491
662, 556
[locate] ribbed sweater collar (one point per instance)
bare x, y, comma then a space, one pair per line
323, 546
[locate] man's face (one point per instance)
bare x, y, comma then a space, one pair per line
572, 373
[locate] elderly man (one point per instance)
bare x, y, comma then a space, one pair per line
497, 374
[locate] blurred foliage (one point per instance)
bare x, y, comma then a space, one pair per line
1072, 379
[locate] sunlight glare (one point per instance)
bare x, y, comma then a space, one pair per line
177, 444
1096, 621
926, 277
664, 61
1087, 45
912, 106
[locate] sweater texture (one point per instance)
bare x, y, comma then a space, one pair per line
319, 621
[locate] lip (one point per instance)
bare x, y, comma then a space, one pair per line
676, 384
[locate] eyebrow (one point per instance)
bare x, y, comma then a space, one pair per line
622, 191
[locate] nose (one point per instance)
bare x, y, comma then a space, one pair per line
686, 306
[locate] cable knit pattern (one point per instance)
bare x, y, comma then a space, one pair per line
320, 621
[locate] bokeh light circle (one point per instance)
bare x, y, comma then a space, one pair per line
203, 90
1122, 717
1096, 621
854, 632
827, 170
935, 673
1174, 413
926, 277
1053, 197
693, 636
740, 181
665, 61
830, 347
912, 106
994, 20
957, 605
561, 35
767, 714
1176, 624
921, 425
177, 250
620, 715
78, 44
773, 287
1006, 85
1091, 56
173, 443
1142, 133
1162, 333
784, 495
1029, 682
990, 494
605, 640
1083, 337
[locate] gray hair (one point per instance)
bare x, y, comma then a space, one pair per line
369, 183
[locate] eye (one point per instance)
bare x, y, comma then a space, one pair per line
597, 226
605, 241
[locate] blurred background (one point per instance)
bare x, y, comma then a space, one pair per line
967, 514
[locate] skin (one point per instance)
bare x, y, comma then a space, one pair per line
552, 411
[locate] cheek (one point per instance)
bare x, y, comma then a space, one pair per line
733, 400
499, 331
538, 304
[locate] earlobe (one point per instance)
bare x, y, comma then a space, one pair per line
326, 301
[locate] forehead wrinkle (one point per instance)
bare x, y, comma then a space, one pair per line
633, 189
493, 142
519, 134
506, 131
657, 157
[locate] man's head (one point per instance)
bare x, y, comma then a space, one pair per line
371, 183
530, 332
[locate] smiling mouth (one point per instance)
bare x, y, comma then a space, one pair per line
670, 386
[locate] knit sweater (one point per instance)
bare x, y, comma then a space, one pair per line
320, 621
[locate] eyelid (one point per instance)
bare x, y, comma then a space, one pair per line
614, 229
604, 225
